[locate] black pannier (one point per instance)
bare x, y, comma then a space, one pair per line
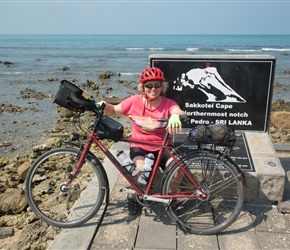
110, 129
213, 134
73, 98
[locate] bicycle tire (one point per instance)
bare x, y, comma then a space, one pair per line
66, 208
224, 185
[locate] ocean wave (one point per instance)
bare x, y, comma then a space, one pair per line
276, 49
156, 48
138, 49
258, 49
192, 49
135, 49
211, 49
20, 73
244, 50
129, 74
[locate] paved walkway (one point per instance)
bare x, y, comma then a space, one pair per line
258, 227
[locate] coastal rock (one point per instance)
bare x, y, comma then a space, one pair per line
104, 75
3, 162
6, 232
280, 119
12, 109
63, 112
112, 99
287, 71
93, 86
31, 93
277, 104
51, 79
65, 68
47, 145
35, 236
89, 83
284, 206
7, 63
23, 169
13, 201
3, 183
107, 74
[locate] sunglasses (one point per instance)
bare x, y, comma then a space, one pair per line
151, 85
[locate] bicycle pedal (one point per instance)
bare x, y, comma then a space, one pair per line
128, 190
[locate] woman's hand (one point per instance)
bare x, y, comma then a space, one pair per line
174, 124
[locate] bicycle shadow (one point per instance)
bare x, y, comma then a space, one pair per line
158, 213
248, 219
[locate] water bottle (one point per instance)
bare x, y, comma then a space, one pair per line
127, 162
146, 169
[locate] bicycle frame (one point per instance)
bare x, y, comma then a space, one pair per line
94, 138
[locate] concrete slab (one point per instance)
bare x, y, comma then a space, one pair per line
156, 231
243, 223
240, 241
270, 240
192, 241
271, 222
266, 184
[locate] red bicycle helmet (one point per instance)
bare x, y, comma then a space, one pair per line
151, 74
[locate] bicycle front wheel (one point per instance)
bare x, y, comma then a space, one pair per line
63, 205
219, 179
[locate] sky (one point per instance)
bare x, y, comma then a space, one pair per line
144, 17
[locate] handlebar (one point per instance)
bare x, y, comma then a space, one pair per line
183, 120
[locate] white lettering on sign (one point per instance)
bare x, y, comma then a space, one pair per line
223, 106
201, 121
224, 122
244, 114
198, 105
206, 110
210, 114
240, 122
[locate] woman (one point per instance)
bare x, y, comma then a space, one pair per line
145, 111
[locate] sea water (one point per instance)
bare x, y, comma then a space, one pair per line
36, 58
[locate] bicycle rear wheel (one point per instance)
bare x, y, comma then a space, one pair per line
60, 205
223, 185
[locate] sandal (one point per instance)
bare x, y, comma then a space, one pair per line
132, 206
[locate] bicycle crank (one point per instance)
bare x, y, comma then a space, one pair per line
146, 198
128, 190
150, 198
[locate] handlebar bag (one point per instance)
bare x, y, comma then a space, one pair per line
73, 98
213, 134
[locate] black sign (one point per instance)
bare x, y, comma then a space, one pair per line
235, 90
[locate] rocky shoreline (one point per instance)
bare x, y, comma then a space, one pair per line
26, 231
